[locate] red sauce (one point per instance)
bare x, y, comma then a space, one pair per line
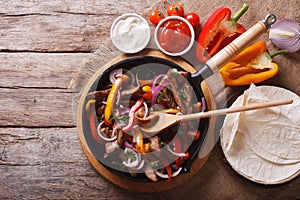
174, 36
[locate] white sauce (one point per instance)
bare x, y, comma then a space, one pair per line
130, 34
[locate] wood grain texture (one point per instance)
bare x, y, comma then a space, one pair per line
59, 26
40, 70
49, 164
36, 107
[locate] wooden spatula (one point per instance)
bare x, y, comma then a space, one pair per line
161, 121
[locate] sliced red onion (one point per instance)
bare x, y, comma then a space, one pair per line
177, 172
115, 127
174, 153
140, 166
130, 122
130, 163
285, 34
118, 97
157, 89
127, 110
114, 74
165, 176
127, 145
133, 109
132, 77
146, 109
155, 79
137, 79
103, 136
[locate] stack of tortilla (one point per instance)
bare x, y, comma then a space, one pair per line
264, 145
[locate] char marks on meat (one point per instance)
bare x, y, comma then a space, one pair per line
168, 98
188, 95
177, 80
99, 96
120, 137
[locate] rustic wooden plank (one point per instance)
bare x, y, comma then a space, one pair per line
44, 70
63, 26
36, 107
49, 164
53, 33
113, 7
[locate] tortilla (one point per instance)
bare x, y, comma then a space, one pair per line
264, 145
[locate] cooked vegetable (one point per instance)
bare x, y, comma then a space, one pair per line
156, 16
285, 34
218, 31
134, 159
111, 99
101, 130
168, 176
132, 111
253, 65
90, 106
148, 92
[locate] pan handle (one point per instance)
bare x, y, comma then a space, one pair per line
240, 43
234, 48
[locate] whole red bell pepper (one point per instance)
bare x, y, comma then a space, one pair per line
219, 30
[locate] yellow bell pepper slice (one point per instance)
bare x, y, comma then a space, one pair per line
108, 119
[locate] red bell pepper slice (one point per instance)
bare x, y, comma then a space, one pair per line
218, 31
93, 128
169, 172
147, 95
90, 107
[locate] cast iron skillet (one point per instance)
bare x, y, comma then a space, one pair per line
159, 65
162, 66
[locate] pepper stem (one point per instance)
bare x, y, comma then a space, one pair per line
278, 52
239, 13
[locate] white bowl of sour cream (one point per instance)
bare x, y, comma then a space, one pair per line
130, 33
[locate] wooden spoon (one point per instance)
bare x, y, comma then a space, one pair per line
161, 121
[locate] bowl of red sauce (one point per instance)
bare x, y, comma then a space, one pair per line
174, 36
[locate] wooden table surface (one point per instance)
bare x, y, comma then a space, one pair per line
42, 46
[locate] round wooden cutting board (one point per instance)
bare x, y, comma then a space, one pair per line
136, 185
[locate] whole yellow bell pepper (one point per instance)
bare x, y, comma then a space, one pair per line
252, 65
